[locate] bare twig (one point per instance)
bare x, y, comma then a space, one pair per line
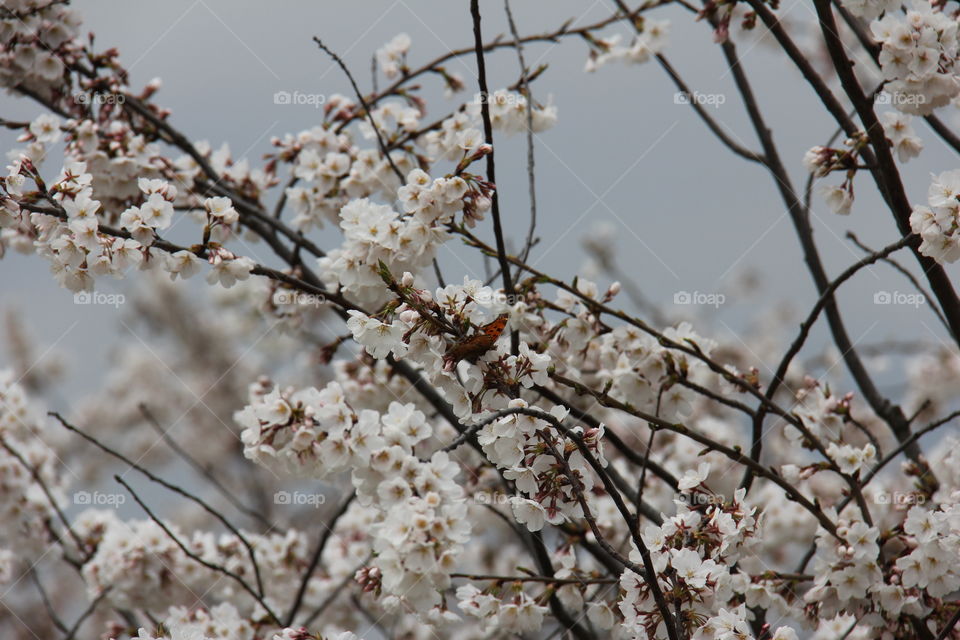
488, 138
315, 559
172, 487
193, 556
531, 165
205, 472
364, 104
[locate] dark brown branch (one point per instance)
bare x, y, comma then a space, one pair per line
531, 165
886, 176
363, 103
315, 559
488, 138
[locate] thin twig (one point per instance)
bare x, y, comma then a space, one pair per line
172, 487
488, 138
180, 451
46, 602
363, 103
333, 595
193, 556
531, 165
909, 276
48, 494
315, 560
87, 613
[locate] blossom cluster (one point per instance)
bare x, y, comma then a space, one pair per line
422, 522
649, 42
692, 554
894, 588
138, 563
38, 35
938, 225
918, 56
504, 463
331, 171
376, 233
27, 507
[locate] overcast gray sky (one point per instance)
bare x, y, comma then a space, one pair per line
687, 214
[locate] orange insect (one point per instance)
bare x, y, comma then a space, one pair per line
476, 345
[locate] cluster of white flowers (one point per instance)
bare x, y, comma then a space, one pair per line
331, 171
423, 528
465, 388
138, 565
135, 560
400, 545
155, 214
116, 156
455, 135
38, 36
391, 56
640, 371
850, 577
518, 614
79, 252
693, 553
870, 9
524, 447
821, 161
933, 537
392, 117
521, 445
376, 233
900, 132
75, 248
26, 513
308, 432
821, 411
938, 225
845, 572
508, 112
918, 57
422, 513
651, 41
220, 622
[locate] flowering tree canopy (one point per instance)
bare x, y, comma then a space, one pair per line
348, 442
